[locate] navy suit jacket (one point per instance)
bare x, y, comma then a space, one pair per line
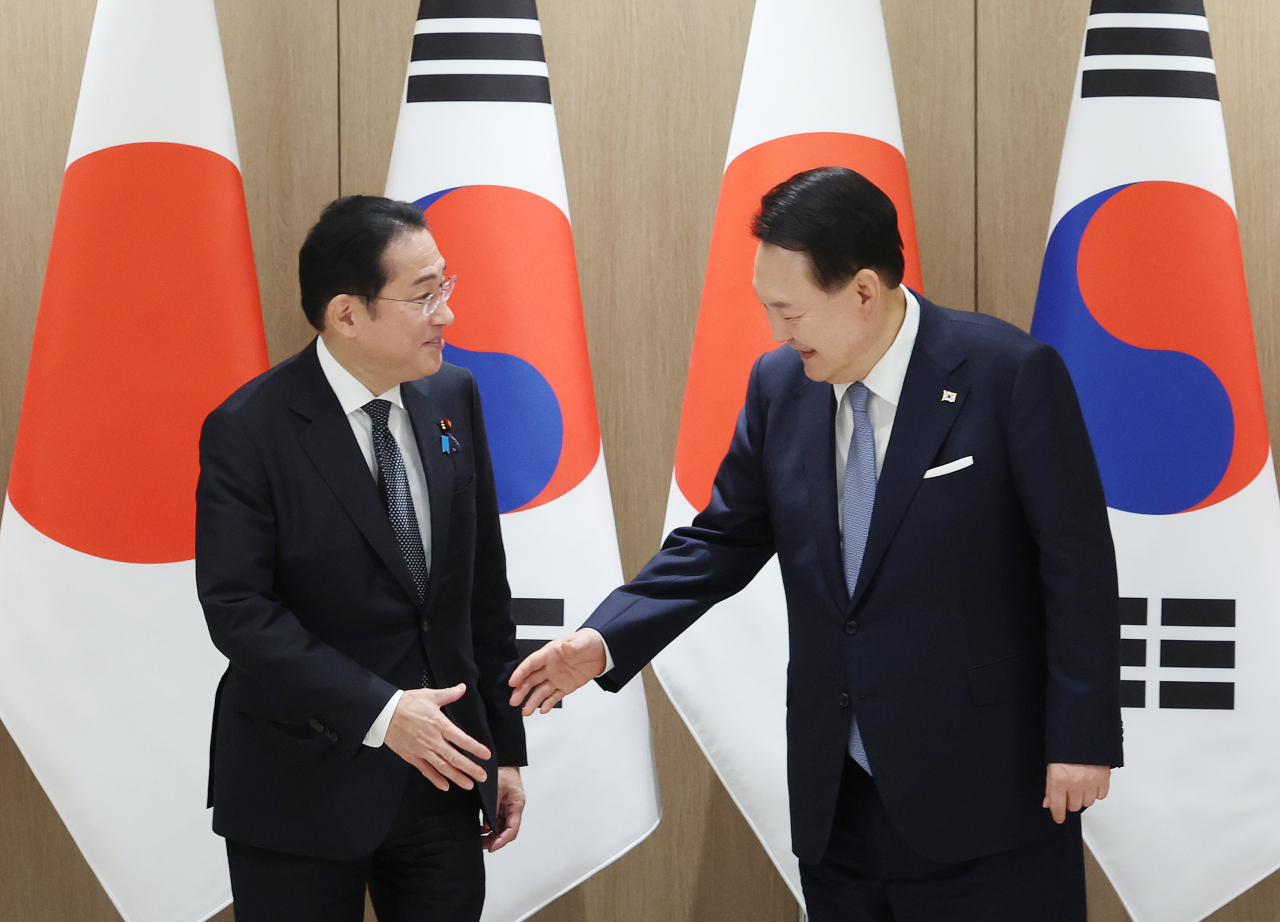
982, 640
307, 594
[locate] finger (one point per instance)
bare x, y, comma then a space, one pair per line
436, 779
555, 698
1104, 787
443, 766
532, 681
460, 762
1075, 799
536, 697
455, 735
443, 696
1089, 798
1058, 804
532, 663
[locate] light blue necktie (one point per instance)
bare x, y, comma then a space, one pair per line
855, 515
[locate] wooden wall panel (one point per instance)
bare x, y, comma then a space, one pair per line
1027, 54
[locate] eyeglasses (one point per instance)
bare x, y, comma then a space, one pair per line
436, 300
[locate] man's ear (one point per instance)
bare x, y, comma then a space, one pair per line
868, 286
340, 315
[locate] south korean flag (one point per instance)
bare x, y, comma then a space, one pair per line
1143, 292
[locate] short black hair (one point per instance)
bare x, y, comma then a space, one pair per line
843, 221
343, 252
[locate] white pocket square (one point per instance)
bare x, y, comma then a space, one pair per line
949, 468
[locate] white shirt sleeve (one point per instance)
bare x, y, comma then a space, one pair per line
608, 657
377, 734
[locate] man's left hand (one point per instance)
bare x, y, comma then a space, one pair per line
1074, 787
510, 809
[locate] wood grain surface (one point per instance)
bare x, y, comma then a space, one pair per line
644, 98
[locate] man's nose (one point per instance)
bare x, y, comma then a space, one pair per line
443, 315
779, 332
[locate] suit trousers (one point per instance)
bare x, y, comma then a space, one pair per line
430, 868
869, 874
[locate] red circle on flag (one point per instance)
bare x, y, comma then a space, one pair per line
149, 319
732, 330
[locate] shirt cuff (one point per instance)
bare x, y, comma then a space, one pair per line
377, 734
608, 657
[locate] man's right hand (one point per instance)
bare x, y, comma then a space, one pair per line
561, 667
420, 734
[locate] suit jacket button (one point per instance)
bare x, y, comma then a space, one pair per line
844, 700
851, 627
424, 625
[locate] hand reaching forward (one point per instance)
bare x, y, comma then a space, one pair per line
421, 735
1074, 787
561, 667
510, 810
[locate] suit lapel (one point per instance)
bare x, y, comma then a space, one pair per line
921, 424
815, 415
331, 445
425, 412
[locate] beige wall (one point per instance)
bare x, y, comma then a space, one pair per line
644, 97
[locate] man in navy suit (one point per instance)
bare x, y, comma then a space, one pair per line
927, 482
350, 564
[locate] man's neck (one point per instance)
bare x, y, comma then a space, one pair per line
376, 383
895, 313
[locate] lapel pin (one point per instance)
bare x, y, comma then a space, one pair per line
948, 396
445, 437
446, 425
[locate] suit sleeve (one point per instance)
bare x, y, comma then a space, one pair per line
235, 571
1058, 484
493, 629
699, 565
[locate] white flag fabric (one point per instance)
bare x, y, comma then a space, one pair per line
477, 147
148, 319
817, 90
1143, 292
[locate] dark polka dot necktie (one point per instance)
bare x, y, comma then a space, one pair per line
395, 493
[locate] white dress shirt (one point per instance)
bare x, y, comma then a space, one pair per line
884, 381
352, 396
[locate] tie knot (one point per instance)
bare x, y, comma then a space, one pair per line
379, 411
858, 396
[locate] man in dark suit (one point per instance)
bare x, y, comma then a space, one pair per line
350, 564
927, 482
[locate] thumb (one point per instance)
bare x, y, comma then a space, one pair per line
450, 695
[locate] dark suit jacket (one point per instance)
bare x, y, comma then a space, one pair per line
982, 640
307, 594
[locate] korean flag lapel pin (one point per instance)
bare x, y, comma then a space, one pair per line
948, 396
446, 436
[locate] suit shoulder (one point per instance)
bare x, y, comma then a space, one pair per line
448, 381
781, 368
264, 392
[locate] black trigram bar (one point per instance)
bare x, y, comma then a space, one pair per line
1133, 611
1198, 654
1133, 694
477, 46
1188, 7
1198, 612
478, 88
1183, 84
540, 612
478, 9
1187, 43
1198, 696
1133, 652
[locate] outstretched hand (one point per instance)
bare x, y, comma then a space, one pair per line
433, 744
560, 667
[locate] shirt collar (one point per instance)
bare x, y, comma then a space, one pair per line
885, 379
351, 394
